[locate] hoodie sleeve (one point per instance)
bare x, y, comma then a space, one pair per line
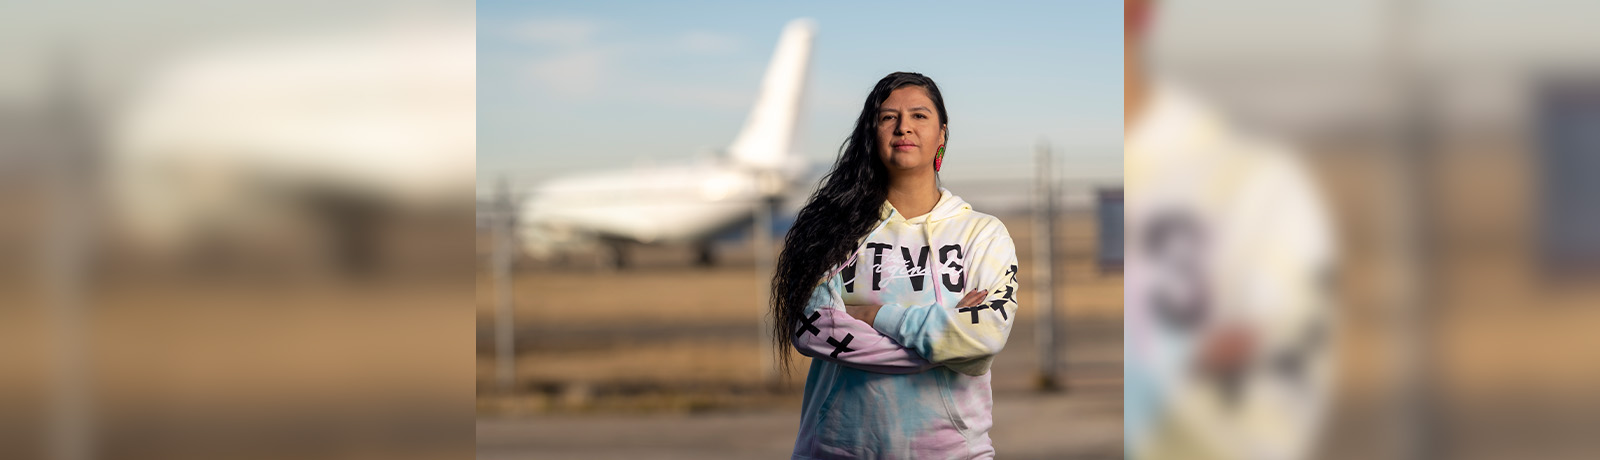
829, 333
963, 339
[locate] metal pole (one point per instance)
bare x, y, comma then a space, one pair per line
500, 260
1044, 225
762, 240
1408, 292
67, 263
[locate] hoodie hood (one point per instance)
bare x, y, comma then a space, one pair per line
949, 206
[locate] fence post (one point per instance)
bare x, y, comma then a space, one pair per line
1044, 224
762, 239
500, 264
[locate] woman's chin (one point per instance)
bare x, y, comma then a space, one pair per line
908, 167
906, 163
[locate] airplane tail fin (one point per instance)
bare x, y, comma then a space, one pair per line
768, 137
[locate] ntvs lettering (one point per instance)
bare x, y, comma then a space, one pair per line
888, 265
917, 272
877, 263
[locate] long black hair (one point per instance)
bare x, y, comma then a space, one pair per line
841, 212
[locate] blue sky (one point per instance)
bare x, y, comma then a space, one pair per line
582, 86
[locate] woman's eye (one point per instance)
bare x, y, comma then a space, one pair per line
887, 117
920, 116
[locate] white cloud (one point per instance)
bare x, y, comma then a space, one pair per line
577, 61
573, 72
720, 98
559, 32
574, 64
703, 42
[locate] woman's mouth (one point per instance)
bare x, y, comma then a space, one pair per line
904, 146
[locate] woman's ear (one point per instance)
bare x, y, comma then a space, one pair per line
944, 133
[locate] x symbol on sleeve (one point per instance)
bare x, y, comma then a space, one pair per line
998, 305
974, 310
809, 325
840, 347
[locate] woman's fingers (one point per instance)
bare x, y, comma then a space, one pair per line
973, 298
976, 297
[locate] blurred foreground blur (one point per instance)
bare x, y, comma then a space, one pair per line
236, 231
1454, 144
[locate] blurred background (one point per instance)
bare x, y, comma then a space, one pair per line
236, 230
640, 162
1455, 143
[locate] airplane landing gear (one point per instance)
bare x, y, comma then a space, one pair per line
615, 255
705, 255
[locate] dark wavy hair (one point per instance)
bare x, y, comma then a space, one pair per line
841, 212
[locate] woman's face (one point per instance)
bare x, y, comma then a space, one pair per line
909, 132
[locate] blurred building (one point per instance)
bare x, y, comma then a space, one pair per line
1454, 140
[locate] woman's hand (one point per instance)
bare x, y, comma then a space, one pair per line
865, 313
868, 313
972, 299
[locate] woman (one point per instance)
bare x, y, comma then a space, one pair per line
873, 284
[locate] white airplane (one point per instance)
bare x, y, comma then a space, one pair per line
252, 141
685, 204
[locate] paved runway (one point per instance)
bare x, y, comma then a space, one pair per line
1027, 425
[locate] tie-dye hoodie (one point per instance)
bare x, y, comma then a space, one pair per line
915, 383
